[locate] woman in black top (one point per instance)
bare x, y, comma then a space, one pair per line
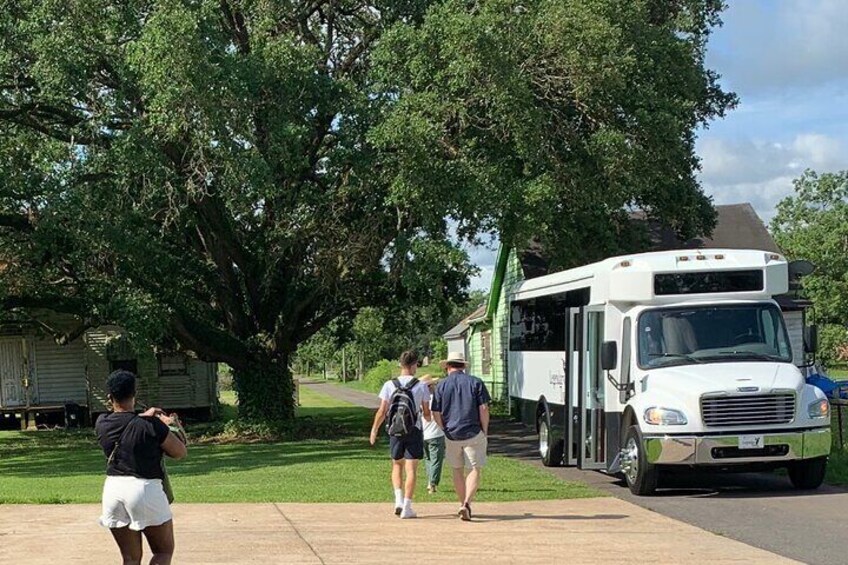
134, 501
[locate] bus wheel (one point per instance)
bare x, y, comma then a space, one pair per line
550, 447
640, 475
808, 474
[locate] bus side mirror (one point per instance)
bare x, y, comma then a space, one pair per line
811, 339
609, 355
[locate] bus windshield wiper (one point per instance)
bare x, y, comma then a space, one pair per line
676, 356
751, 354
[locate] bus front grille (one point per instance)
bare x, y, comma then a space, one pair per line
748, 410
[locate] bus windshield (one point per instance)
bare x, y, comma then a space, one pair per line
710, 334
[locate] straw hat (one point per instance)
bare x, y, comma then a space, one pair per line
456, 358
430, 379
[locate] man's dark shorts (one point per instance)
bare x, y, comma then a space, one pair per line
408, 447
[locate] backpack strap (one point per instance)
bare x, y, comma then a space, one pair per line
396, 382
120, 439
411, 384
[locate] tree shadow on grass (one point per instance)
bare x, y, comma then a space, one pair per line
321, 434
43, 459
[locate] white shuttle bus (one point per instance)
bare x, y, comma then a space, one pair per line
673, 359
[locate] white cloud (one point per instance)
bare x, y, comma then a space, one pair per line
767, 46
762, 172
483, 280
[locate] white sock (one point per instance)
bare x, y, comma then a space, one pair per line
407, 503
398, 497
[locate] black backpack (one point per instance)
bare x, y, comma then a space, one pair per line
403, 414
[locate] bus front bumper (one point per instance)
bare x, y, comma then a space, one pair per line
737, 449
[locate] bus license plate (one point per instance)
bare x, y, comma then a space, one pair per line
751, 442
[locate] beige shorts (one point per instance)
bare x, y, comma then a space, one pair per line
467, 452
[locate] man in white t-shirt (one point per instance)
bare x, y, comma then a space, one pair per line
407, 450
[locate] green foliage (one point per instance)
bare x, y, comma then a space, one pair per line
813, 225
553, 115
225, 378
440, 349
380, 373
230, 177
833, 345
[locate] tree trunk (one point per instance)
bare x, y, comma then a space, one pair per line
265, 389
344, 365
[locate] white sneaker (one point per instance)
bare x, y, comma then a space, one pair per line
408, 512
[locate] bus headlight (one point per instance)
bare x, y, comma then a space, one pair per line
819, 409
658, 416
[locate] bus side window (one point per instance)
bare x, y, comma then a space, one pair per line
625, 358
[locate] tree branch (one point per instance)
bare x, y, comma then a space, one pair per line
209, 344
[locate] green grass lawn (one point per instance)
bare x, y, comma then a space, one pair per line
359, 385
68, 467
837, 466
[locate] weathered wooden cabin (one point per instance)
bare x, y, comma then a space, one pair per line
42, 380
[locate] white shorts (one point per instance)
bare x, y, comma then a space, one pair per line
137, 503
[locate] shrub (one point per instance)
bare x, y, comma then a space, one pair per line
379, 374
833, 341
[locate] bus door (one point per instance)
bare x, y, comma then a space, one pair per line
590, 409
574, 339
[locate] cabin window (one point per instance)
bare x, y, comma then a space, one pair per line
708, 282
173, 364
486, 344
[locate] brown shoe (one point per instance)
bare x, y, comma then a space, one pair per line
465, 513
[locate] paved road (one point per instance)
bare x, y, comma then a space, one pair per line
760, 509
576, 531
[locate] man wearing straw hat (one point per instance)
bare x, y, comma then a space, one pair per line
461, 408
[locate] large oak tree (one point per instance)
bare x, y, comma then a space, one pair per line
228, 176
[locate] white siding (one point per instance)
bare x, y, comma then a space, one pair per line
60, 371
458, 344
97, 368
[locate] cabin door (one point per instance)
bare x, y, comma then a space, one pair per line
12, 372
591, 394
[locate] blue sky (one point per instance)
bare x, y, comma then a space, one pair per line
787, 60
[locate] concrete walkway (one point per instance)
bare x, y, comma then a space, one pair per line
600, 530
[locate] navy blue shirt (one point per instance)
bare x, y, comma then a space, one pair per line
458, 398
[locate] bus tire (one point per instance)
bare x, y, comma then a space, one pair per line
641, 476
550, 447
808, 474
